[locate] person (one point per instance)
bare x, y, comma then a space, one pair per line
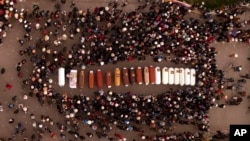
16, 111
221, 105
2, 70
8, 86
14, 98
72, 3
246, 76
238, 68
90, 135
21, 42
63, 1
230, 79
11, 105
63, 136
36, 7
242, 81
11, 120
234, 55
1, 42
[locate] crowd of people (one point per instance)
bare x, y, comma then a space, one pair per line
109, 35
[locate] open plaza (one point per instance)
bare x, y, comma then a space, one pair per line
123, 70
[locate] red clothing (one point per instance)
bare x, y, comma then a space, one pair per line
8, 86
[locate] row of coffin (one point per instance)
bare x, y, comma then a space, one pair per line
146, 75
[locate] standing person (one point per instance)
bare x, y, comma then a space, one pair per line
72, 3
1, 41
234, 55
14, 98
125, 3
246, 76
2, 70
63, 1
35, 9
11, 120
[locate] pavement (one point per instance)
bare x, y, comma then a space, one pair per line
220, 119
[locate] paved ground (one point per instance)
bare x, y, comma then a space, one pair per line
220, 118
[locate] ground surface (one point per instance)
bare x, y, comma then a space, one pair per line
214, 3
220, 118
